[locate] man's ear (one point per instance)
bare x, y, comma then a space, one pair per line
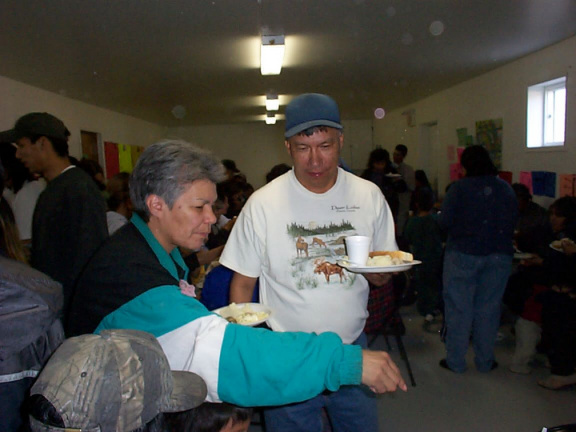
43, 143
341, 140
287, 144
155, 204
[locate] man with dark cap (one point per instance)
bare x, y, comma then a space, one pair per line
69, 221
290, 235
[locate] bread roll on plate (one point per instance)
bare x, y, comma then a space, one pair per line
404, 256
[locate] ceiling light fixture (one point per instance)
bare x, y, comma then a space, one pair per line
271, 54
270, 118
272, 102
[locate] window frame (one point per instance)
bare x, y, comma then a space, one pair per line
537, 108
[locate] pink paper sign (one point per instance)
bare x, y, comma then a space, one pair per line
460, 151
526, 179
451, 152
567, 184
455, 172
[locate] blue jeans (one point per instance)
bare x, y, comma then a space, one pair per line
473, 290
350, 409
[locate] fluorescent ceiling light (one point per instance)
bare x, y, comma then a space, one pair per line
270, 118
272, 102
271, 54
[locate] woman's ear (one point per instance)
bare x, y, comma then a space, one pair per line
156, 204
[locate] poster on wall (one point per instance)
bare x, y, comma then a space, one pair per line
489, 136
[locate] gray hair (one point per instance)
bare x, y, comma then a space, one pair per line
166, 168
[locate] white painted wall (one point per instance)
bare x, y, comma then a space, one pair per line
498, 94
17, 99
257, 147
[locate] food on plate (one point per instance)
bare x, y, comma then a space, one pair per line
389, 258
245, 314
557, 244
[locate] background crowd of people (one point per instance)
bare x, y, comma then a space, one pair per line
68, 235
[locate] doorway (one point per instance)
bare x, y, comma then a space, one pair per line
91, 147
429, 153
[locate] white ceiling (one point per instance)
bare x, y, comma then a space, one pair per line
144, 57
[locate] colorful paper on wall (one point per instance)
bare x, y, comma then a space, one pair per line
136, 152
125, 158
462, 133
567, 185
506, 176
526, 180
451, 152
489, 136
455, 172
460, 150
111, 158
544, 183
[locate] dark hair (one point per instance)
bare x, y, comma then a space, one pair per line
211, 417
522, 191
402, 149
424, 199
277, 171
420, 176
476, 161
59, 145
229, 164
118, 189
15, 170
92, 168
313, 129
1, 178
565, 207
378, 155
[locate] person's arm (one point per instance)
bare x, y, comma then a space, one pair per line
205, 257
259, 367
242, 288
378, 279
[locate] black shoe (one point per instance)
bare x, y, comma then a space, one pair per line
443, 363
494, 366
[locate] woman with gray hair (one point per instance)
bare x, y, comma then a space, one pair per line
138, 280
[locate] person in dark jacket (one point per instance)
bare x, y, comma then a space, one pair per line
479, 215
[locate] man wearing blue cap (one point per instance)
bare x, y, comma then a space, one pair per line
290, 235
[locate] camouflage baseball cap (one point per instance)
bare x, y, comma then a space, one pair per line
118, 380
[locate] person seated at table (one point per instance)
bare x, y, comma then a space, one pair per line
138, 280
219, 233
380, 171
119, 204
533, 229
425, 238
559, 325
211, 417
534, 276
538, 268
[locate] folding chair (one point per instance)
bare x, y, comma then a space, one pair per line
385, 320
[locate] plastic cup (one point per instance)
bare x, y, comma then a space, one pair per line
358, 248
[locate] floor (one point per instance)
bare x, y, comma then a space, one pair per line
444, 401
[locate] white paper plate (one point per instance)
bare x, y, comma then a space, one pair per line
556, 248
234, 312
523, 255
371, 269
